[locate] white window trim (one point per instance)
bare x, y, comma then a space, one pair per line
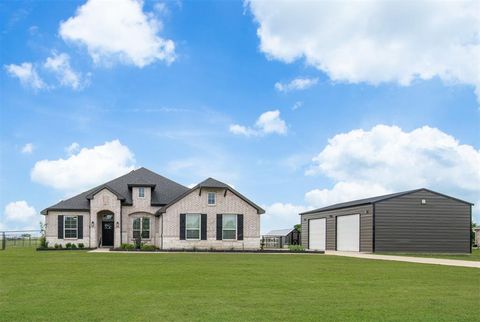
64, 220
141, 228
236, 227
199, 227
141, 197
214, 198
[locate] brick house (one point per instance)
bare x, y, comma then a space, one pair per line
162, 212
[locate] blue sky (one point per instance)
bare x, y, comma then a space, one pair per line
293, 111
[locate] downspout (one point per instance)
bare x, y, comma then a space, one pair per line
121, 226
161, 233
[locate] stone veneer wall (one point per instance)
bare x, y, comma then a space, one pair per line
196, 203
105, 200
51, 230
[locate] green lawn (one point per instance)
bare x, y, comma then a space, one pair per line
475, 256
76, 285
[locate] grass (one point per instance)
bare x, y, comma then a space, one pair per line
475, 256
59, 286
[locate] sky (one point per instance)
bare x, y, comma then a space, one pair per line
295, 104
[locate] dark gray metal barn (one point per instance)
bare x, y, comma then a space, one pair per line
419, 220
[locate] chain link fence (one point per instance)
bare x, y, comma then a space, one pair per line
19, 238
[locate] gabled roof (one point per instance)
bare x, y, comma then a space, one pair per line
373, 200
279, 232
163, 190
212, 183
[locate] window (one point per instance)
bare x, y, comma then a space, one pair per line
141, 192
211, 198
229, 229
192, 226
70, 226
141, 227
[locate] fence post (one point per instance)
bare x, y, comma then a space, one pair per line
4, 242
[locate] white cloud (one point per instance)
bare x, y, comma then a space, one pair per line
118, 31
387, 159
20, 211
375, 41
72, 148
344, 191
296, 84
27, 74
87, 168
19, 215
59, 64
297, 105
27, 148
267, 123
242, 130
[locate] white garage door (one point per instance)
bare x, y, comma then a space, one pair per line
317, 234
348, 233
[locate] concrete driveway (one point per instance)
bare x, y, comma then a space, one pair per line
421, 260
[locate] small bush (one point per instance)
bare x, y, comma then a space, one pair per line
58, 246
123, 245
81, 245
296, 248
148, 248
43, 242
74, 246
68, 245
129, 246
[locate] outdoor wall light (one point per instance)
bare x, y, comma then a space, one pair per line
117, 224
93, 224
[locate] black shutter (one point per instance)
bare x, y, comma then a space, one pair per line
60, 227
80, 227
182, 226
219, 226
203, 227
240, 227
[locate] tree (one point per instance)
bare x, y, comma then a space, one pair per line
298, 227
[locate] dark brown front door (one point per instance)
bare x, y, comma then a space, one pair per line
107, 233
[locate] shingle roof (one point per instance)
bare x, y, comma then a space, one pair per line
373, 200
212, 183
163, 190
279, 232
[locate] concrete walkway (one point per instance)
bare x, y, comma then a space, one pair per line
409, 259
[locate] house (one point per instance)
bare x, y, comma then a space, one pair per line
281, 237
418, 220
159, 211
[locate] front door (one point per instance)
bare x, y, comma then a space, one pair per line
107, 233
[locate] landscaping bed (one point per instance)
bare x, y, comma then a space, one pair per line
55, 249
183, 250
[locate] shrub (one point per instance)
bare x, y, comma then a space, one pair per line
74, 246
56, 245
148, 248
296, 248
43, 242
81, 245
123, 245
68, 245
129, 247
